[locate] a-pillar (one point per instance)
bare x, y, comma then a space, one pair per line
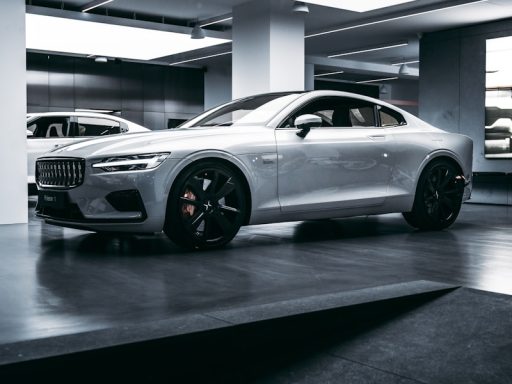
268, 48
13, 107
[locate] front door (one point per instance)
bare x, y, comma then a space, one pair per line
346, 163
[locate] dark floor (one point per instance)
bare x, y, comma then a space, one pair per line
420, 332
58, 281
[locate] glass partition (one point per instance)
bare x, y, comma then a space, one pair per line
498, 99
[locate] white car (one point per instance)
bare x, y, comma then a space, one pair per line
47, 131
262, 159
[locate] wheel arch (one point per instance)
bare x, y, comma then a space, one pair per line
436, 156
219, 157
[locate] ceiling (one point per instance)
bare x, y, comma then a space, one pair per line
436, 15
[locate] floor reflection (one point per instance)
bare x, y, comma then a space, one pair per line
58, 280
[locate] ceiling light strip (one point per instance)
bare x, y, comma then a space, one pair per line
201, 58
357, 5
377, 80
406, 62
215, 22
393, 19
329, 73
369, 50
95, 4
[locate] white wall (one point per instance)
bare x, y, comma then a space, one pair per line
13, 102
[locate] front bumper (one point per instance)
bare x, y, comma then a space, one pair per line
133, 201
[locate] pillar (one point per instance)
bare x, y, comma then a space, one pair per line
268, 48
13, 107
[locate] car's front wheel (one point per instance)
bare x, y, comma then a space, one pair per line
438, 196
206, 207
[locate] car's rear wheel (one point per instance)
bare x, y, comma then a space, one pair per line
206, 207
438, 196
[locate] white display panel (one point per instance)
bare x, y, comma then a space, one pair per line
56, 34
498, 99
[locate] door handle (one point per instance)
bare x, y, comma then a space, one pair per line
377, 137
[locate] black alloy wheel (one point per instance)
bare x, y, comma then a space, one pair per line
207, 206
438, 196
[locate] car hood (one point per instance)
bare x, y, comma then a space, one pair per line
179, 142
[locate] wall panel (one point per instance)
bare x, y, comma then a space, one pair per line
144, 93
61, 75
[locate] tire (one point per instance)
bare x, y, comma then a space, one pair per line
206, 207
438, 196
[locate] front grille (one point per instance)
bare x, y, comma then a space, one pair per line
60, 172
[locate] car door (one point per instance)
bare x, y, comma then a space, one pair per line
48, 132
345, 163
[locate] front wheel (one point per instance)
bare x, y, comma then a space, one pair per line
438, 197
206, 207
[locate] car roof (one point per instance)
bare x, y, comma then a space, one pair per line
84, 114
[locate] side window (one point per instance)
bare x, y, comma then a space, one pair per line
50, 127
390, 118
337, 112
94, 126
362, 116
323, 108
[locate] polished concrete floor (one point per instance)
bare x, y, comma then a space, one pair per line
56, 281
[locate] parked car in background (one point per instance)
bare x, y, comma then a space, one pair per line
262, 159
46, 131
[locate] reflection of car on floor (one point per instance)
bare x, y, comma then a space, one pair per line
261, 159
46, 131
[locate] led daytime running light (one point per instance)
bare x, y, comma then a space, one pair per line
131, 163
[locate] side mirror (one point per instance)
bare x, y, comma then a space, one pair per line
306, 122
30, 133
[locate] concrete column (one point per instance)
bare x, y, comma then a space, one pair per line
309, 77
13, 108
268, 48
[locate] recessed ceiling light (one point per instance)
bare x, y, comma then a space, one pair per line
216, 21
56, 34
329, 73
377, 80
95, 4
421, 13
369, 50
200, 58
406, 62
358, 5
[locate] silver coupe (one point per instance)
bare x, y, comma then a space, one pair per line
261, 159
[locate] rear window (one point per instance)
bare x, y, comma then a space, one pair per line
94, 126
390, 118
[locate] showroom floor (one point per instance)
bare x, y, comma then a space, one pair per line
60, 281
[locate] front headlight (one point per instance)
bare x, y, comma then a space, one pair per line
131, 162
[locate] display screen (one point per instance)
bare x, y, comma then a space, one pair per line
498, 99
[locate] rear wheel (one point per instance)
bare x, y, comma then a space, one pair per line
438, 196
206, 207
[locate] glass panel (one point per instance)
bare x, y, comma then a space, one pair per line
49, 127
390, 118
498, 99
94, 126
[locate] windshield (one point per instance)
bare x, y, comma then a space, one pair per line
254, 110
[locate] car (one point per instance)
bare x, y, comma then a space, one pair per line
46, 131
261, 159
